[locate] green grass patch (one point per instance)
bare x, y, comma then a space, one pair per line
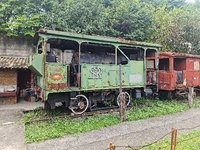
189, 141
58, 127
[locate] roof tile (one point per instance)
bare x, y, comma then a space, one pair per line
13, 62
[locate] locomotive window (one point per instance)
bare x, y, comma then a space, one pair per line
150, 53
196, 66
179, 64
61, 50
164, 64
94, 53
133, 53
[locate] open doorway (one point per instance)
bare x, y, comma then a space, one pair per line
23, 82
179, 67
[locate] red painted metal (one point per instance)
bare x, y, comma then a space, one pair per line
183, 71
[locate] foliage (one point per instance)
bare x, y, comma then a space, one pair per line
178, 29
102, 18
57, 127
22, 17
172, 23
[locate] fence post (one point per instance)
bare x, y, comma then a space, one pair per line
122, 102
122, 106
112, 146
190, 96
173, 139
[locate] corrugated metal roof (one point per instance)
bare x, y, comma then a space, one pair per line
94, 38
13, 62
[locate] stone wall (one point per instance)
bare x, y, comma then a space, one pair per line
15, 46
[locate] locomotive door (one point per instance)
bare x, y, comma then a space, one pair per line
151, 66
36, 63
190, 73
74, 71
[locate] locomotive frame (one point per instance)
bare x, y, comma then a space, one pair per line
82, 71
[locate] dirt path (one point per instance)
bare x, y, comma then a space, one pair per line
135, 133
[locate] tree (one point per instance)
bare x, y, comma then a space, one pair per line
172, 23
22, 17
130, 19
178, 29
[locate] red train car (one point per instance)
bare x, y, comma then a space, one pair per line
177, 72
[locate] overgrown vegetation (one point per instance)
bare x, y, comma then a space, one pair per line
58, 127
173, 23
189, 141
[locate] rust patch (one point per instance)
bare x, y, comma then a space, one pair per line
57, 86
176, 55
122, 40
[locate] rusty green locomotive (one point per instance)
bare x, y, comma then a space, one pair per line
82, 71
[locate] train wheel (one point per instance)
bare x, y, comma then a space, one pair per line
79, 104
127, 98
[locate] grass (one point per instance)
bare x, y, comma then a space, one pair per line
58, 127
189, 141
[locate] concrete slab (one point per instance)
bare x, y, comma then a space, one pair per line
11, 130
11, 126
23, 106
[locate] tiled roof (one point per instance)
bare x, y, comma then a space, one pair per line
13, 62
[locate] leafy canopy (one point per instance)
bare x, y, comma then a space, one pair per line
172, 23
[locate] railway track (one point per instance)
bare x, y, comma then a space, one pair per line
73, 116
95, 112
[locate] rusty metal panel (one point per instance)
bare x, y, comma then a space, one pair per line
151, 77
37, 63
184, 75
56, 77
196, 78
196, 65
150, 64
190, 72
166, 80
102, 39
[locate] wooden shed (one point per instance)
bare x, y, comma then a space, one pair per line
14, 75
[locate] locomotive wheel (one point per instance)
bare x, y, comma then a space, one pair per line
79, 105
127, 98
